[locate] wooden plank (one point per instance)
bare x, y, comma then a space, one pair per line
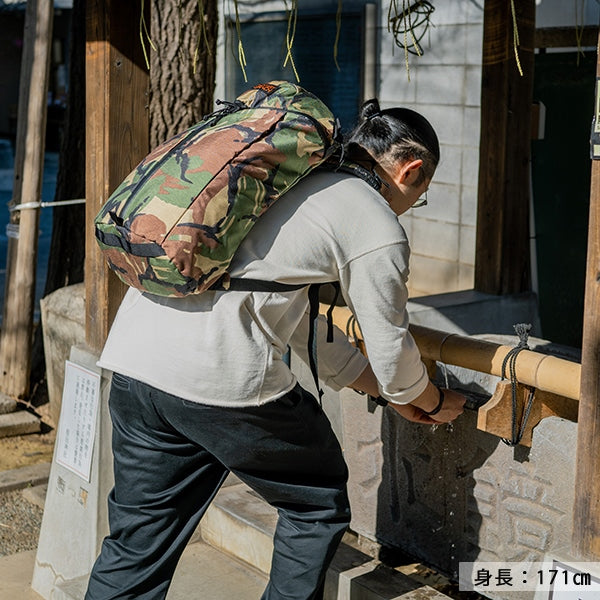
17, 322
502, 244
566, 37
496, 415
116, 137
586, 520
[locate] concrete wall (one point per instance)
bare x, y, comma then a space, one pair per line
454, 494
444, 85
63, 325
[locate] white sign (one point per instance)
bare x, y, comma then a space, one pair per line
77, 424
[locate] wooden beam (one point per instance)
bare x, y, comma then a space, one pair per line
502, 264
586, 521
116, 137
17, 322
566, 37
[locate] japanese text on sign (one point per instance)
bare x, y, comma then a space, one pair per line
77, 424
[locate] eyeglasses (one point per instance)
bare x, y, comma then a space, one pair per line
422, 201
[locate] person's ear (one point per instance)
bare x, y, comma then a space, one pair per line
407, 172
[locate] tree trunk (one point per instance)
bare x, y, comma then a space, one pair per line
182, 69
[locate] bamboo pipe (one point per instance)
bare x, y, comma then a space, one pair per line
544, 372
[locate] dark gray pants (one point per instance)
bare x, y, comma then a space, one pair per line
172, 455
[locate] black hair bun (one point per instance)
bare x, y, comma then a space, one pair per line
370, 109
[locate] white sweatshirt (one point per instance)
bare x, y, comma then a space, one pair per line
227, 348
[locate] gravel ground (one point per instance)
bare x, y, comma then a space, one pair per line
20, 522
20, 519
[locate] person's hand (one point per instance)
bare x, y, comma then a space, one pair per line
411, 413
452, 406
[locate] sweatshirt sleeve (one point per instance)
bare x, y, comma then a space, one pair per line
339, 363
374, 285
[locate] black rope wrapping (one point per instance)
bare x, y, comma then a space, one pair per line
405, 23
352, 329
510, 360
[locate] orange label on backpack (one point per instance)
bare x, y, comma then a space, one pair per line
266, 87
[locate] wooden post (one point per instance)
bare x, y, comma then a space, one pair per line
17, 322
502, 246
586, 519
116, 137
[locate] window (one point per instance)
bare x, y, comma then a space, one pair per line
264, 41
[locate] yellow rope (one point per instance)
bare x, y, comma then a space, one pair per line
415, 44
405, 41
241, 53
203, 34
338, 31
289, 37
144, 31
516, 36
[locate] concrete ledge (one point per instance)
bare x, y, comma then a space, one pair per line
19, 423
241, 524
237, 519
17, 479
36, 494
7, 404
202, 572
73, 589
470, 312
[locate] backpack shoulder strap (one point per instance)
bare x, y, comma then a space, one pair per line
357, 170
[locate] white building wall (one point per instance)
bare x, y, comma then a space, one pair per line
444, 85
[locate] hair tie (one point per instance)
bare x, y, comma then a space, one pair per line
375, 114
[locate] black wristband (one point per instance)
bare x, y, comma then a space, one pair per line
379, 400
437, 409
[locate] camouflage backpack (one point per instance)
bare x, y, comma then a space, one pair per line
173, 225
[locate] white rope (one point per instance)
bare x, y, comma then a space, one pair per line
28, 205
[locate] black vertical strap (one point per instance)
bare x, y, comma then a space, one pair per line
336, 287
313, 302
313, 315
